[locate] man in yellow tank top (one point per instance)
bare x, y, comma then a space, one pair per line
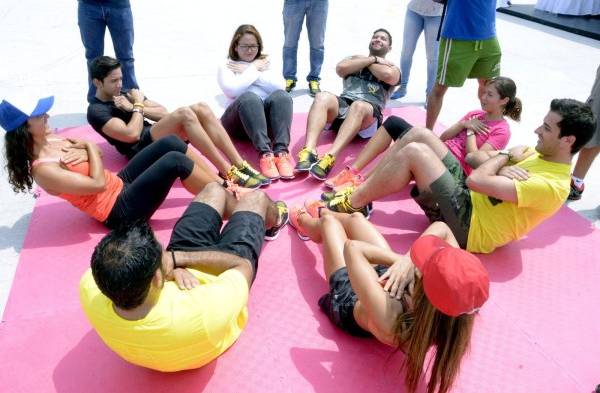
509, 194
181, 308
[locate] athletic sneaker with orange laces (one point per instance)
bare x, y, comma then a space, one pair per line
268, 167
348, 177
285, 165
295, 213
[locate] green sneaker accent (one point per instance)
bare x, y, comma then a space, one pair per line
314, 88
306, 159
248, 170
322, 168
341, 204
283, 217
242, 179
289, 85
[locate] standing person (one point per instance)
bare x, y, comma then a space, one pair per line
93, 17
421, 16
468, 49
260, 108
122, 119
294, 12
368, 82
591, 149
413, 302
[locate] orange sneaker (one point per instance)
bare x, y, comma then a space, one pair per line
285, 165
268, 167
348, 177
295, 212
313, 207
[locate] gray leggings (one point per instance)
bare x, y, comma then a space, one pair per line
261, 121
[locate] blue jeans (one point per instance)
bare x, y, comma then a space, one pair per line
93, 21
316, 19
414, 24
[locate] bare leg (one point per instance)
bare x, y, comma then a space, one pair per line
199, 161
376, 145
434, 104
216, 132
585, 160
198, 179
183, 122
323, 110
413, 160
421, 135
360, 115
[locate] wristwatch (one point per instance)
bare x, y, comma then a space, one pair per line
505, 153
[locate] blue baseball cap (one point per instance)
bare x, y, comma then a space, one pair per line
12, 117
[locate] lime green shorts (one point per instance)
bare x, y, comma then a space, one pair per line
459, 60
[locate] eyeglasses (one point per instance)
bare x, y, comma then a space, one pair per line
248, 47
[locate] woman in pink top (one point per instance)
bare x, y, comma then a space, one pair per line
73, 169
484, 129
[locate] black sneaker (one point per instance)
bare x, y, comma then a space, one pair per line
306, 159
283, 217
575, 193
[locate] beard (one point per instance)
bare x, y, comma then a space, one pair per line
377, 52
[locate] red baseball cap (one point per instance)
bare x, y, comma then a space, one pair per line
454, 280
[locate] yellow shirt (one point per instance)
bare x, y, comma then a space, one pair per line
186, 329
495, 223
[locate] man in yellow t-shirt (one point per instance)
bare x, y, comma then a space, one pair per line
506, 196
181, 308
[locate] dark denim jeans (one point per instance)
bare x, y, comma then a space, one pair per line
93, 20
316, 19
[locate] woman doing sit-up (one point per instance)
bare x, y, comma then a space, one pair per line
73, 170
413, 302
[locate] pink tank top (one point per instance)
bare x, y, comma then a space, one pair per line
96, 205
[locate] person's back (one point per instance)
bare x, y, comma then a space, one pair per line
186, 329
470, 20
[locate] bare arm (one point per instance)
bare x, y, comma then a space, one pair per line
212, 262
353, 64
385, 71
452, 131
56, 180
153, 110
487, 178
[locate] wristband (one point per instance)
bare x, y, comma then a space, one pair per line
138, 105
138, 110
174, 260
470, 132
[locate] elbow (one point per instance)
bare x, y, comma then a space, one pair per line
472, 181
340, 71
470, 159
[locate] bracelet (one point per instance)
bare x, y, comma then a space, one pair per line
505, 153
174, 260
138, 110
469, 133
138, 105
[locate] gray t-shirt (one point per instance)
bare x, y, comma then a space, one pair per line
365, 86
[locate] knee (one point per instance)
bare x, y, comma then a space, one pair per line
212, 190
281, 97
327, 219
256, 198
172, 143
361, 107
324, 98
438, 90
201, 110
185, 114
357, 218
414, 151
419, 134
249, 98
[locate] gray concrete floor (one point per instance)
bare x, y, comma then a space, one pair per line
180, 44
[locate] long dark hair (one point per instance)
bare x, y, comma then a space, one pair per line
424, 326
506, 87
18, 145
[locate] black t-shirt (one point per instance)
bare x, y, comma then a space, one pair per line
100, 112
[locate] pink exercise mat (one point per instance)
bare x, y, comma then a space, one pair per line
539, 332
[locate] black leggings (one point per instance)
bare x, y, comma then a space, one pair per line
147, 179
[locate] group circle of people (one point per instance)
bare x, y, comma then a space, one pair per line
191, 296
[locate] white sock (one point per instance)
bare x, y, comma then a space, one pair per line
577, 181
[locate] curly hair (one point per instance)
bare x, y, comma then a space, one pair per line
19, 156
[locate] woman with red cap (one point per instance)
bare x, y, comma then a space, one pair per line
73, 169
426, 298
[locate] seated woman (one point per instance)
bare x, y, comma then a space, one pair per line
426, 298
260, 107
73, 170
484, 129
